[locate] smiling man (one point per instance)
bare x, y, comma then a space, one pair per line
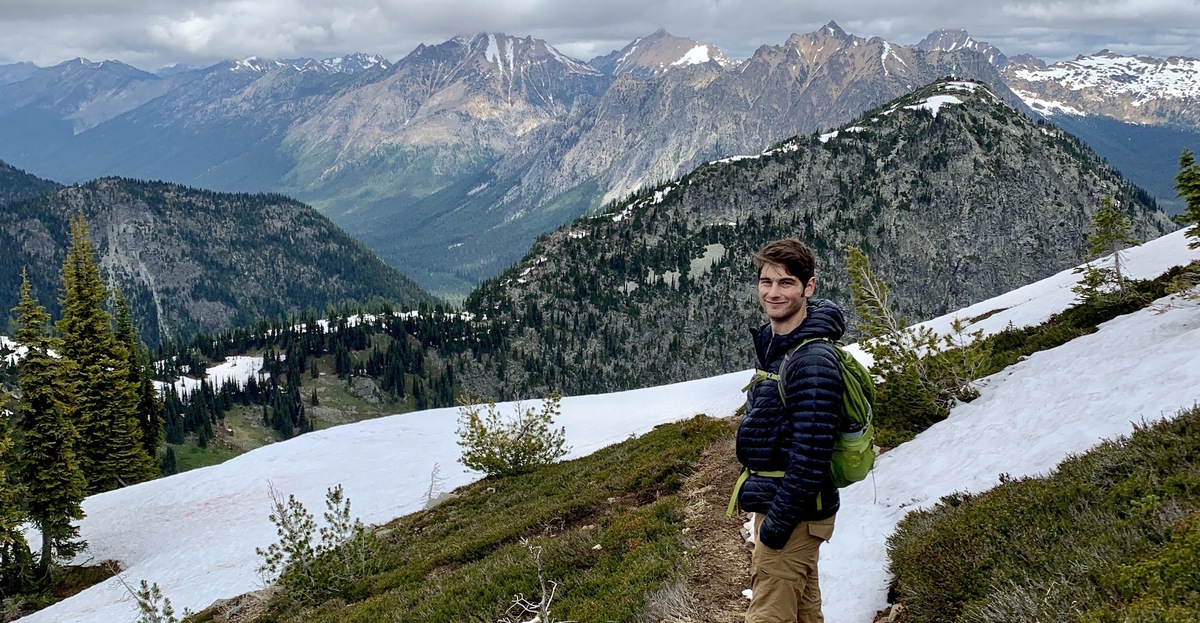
786, 436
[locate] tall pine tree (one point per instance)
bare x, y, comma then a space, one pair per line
141, 376
111, 453
49, 468
1188, 185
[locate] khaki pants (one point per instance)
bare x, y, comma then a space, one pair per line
784, 581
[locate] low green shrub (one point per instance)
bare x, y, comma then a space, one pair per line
499, 445
1080, 545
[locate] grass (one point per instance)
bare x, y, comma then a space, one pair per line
609, 525
1112, 535
188, 456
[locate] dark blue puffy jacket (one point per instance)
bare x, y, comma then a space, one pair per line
796, 439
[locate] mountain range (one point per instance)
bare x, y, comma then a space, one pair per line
451, 160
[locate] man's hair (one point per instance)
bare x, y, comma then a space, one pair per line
793, 255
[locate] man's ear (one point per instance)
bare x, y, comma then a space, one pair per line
810, 288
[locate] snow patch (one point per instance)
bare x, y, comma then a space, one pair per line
694, 56
237, 370
478, 189
1146, 79
935, 103
824, 138
1047, 107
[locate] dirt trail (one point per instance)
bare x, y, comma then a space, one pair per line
720, 562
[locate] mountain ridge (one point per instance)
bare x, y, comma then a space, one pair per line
191, 260
953, 193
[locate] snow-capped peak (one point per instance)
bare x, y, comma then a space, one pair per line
355, 63
950, 40
510, 53
255, 64
658, 53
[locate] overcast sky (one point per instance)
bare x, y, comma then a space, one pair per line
199, 32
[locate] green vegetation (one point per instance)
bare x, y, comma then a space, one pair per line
308, 570
1112, 535
502, 446
190, 456
922, 374
609, 525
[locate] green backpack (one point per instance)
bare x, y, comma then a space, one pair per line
854, 449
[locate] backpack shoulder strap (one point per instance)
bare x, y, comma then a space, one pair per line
781, 378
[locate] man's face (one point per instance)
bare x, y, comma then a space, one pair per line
782, 294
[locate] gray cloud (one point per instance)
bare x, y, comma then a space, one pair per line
150, 35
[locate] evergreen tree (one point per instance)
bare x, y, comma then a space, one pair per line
15, 562
49, 468
141, 376
1111, 232
1188, 185
168, 464
111, 452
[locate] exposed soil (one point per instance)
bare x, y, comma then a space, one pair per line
721, 562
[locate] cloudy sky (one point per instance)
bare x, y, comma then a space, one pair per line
153, 34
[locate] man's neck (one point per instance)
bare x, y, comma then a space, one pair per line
787, 325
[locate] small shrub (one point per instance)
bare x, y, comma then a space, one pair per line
153, 606
500, 446
306, 569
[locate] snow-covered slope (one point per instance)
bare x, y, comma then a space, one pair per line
1143, 77
1135, 89
195, 533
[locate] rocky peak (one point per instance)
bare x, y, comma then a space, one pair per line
656, 54
355, 63
950, 40
514, 54
84, 67
498, 55
819, 46
17, 72
1027, 62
